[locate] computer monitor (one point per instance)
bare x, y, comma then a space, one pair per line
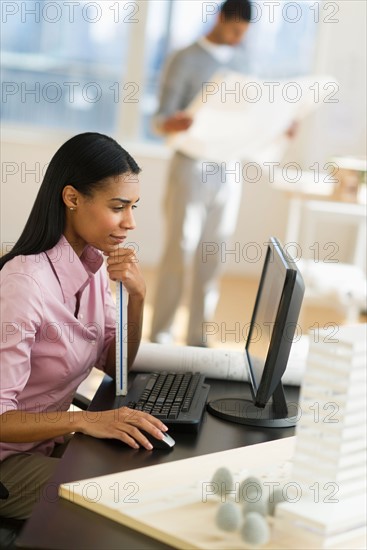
273, 324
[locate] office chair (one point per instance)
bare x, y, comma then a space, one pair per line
81, 401
10, 527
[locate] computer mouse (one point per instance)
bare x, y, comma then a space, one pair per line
165, 444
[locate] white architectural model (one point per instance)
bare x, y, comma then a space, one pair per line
328, 505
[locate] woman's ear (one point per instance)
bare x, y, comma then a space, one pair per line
70, 197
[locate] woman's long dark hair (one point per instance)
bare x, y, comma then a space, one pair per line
84, 161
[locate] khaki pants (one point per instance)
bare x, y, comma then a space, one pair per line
24, 476
201, 214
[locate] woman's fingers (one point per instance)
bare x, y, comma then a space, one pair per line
130, 423
142, 419
122, 265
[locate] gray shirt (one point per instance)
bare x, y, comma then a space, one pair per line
187, 71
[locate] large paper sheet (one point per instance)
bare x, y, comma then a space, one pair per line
217, 363
239, 117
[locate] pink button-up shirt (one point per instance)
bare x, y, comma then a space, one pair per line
57, 322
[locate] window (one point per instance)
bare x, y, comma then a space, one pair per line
87, 65
62, 63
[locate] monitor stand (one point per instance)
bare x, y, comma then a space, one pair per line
276, 414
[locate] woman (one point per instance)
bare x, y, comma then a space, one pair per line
58, 317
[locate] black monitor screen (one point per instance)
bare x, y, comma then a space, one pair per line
264, 319
273, 324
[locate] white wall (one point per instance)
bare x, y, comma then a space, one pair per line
340, 128
264, 211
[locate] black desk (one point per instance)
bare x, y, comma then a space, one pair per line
59, 524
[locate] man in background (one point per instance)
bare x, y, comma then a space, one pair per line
199, 208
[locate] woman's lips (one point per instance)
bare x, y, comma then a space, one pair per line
118, 239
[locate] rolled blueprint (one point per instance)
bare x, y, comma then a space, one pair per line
224, 364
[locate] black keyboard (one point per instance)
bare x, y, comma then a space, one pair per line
178, 399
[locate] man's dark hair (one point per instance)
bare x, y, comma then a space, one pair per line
240, 10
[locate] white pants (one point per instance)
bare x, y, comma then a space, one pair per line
201, 208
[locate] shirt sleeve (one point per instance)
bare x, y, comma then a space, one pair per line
173, 88
109, 319
21, 314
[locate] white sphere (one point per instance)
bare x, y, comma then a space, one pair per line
224, 480
228, 516
250, 489
255, 530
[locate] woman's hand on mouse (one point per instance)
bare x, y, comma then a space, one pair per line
123, 424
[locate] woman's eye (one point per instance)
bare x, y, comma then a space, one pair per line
119, 208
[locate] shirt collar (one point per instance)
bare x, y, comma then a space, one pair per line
221, 52
73, 273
